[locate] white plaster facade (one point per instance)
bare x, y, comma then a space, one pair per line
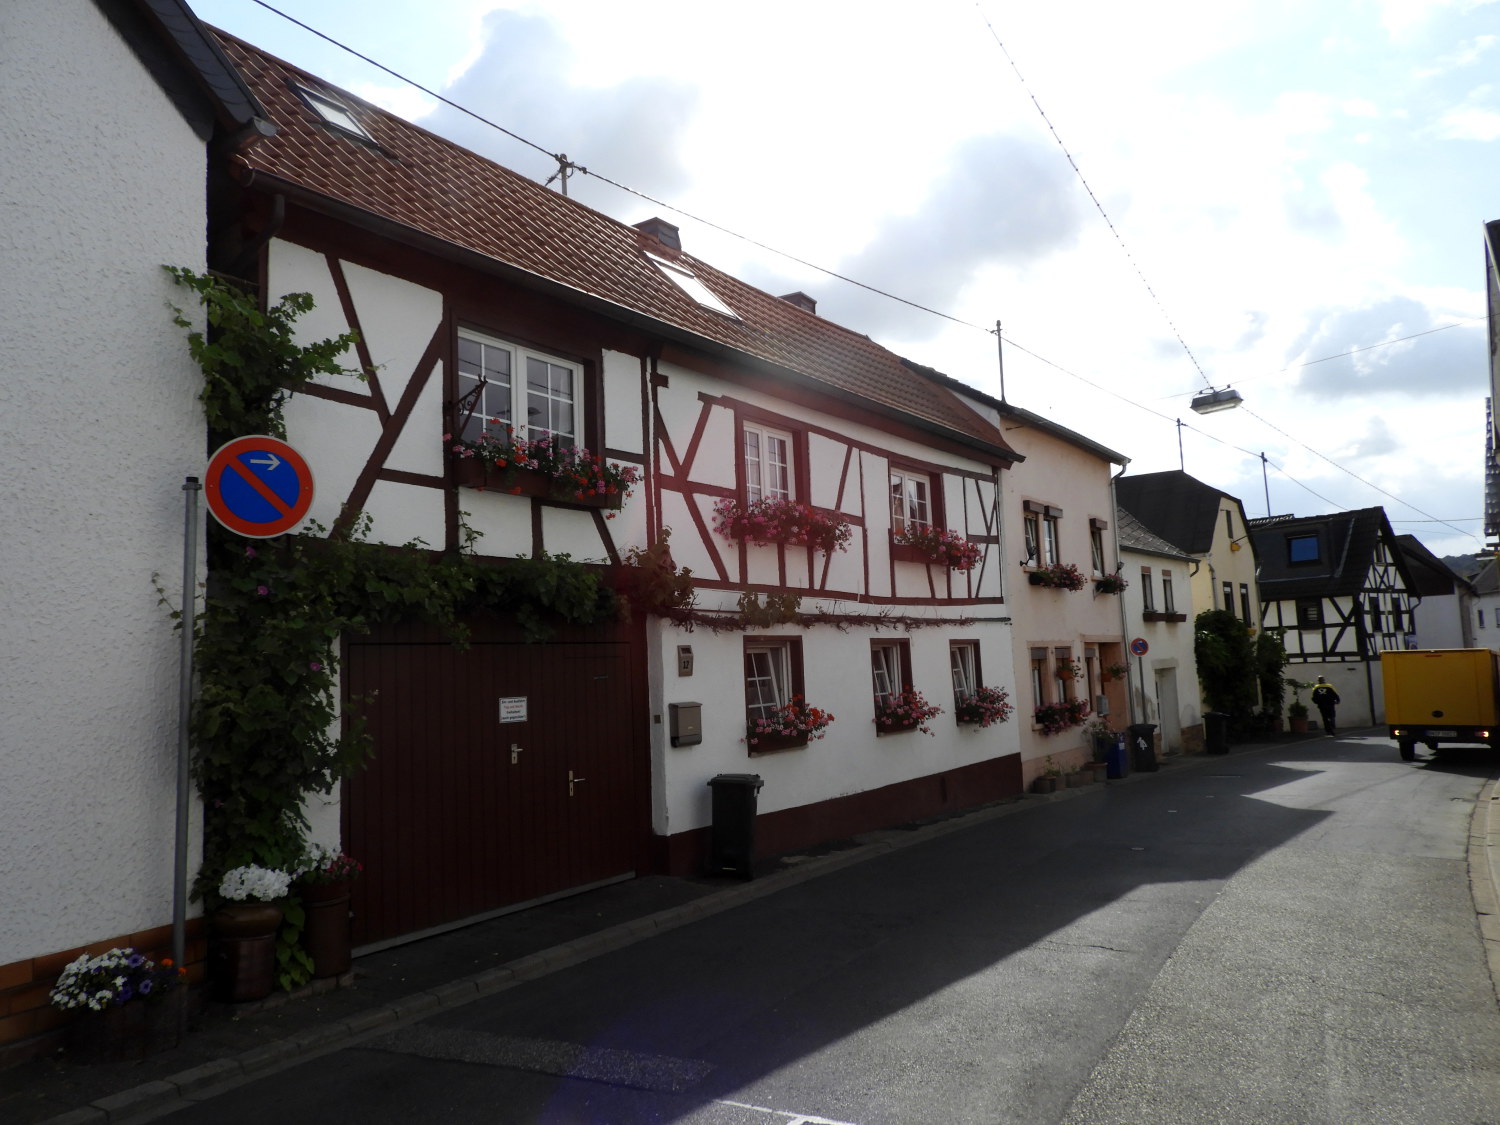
99, 425
1164, 681
1068, 474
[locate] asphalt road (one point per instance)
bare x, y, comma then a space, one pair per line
1278, 936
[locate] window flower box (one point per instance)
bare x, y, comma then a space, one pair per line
1111, 583
931, 545
795, 724
1062, 576
985, 707
502, 462
1054, 718
771, 521
907, 710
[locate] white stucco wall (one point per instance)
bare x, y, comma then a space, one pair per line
1170, 653
102, 183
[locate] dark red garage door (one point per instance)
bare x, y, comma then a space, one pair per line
460, 813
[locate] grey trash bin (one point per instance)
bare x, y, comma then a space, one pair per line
1143, 746
1215, 732
731, 841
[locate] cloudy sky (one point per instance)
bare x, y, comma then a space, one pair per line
1295, 194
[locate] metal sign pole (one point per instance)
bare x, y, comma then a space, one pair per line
191, 486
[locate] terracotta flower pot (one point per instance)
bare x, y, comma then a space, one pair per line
242, 954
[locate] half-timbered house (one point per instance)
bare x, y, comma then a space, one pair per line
839, 512
1336, 588
1442, 602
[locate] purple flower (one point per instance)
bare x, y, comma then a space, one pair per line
249, 552
262, 590
315, 666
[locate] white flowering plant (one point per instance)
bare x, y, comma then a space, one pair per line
325, 864
114, 978
252, 883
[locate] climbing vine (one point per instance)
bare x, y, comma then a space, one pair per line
267, 726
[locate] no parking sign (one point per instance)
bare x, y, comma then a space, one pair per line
258, 486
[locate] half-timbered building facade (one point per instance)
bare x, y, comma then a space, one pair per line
839, 511
1337, 590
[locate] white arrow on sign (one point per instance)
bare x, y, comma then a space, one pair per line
270, 459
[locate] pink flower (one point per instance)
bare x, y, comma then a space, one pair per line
249, 552
315, 666
262, 590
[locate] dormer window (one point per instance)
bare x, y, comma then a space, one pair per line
333, 112
686, 280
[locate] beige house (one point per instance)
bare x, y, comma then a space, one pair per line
1209, 525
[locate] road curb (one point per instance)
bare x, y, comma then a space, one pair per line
1484, 874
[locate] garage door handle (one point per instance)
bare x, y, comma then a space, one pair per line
572, 781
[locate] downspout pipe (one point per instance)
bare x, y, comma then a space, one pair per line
1130, 704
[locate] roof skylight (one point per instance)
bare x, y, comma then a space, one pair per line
686, 280
333, 113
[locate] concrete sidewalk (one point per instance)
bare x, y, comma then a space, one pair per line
230, 1045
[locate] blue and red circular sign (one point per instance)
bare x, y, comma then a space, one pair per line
258, 486
1139, 646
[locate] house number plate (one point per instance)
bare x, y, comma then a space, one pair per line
512, 708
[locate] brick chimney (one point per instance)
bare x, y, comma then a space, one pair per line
663, 231
802, 301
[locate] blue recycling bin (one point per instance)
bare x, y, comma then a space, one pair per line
1117, 760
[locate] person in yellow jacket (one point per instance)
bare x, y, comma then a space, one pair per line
1326, 699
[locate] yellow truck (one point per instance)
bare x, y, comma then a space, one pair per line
1441, 695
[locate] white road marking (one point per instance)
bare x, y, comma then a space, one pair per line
793, 1117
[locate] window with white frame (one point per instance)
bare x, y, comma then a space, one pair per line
1033, 538
768, 463
1096, 545
911, 506
533, 394
332, 112
963, 656
1148, 595
889, 670
1039, 676
770, 674
1168, 599
1050, 552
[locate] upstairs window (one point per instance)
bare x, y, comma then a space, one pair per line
768, 464
1096, 545
1168, 601
533, 394
1050, 553
1245, 603
1148, 595
1033, 538
1302, 549
911, 507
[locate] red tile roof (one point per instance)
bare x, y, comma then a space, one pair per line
418, 180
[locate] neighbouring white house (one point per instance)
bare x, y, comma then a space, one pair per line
1442, 603
1158, 603
839, 509
1484, 607
108, 112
